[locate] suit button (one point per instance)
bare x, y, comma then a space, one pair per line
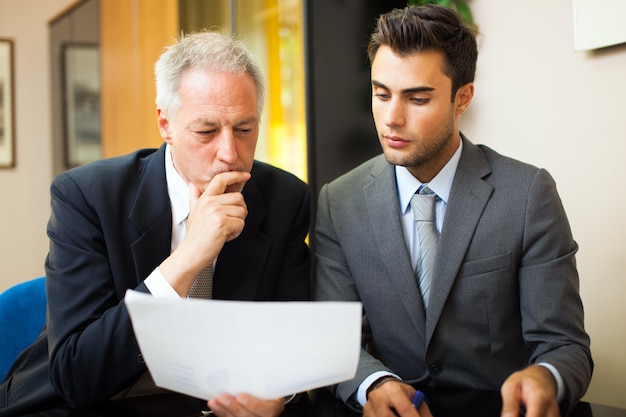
435, 368
140, 358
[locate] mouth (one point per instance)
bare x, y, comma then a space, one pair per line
395, 141
227, 169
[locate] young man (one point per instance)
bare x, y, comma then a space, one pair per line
153, 220
502, 308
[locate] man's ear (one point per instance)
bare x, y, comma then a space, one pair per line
463, 98
164, 126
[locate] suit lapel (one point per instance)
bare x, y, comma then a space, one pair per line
152, 215
381, 200
468, 197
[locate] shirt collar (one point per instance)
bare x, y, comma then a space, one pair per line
177, 189
440, 185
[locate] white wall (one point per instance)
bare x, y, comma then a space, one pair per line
25, 201
538, 100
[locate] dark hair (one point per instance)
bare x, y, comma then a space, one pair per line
429, 28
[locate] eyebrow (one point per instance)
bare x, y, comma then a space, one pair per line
206, 122
421, 89
247, 121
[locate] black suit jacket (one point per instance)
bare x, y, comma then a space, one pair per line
110, 227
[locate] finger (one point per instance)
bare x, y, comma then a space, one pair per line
392, 398
222, 181
510, 400
236, 232
245, 406
261, 407
194, 195
424, 411
223, 406
538, 405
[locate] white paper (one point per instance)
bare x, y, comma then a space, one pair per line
203, 348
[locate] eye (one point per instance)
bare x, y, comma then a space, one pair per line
420, 100
382, 96
205, 132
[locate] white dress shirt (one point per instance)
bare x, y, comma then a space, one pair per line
178, 192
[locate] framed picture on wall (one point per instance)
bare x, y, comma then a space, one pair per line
81, 103
7, 116
598, 23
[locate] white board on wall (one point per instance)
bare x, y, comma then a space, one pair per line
599, 23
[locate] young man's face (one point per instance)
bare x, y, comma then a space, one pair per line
216, 127
416, 120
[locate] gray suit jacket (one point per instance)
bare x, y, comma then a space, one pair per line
505, 291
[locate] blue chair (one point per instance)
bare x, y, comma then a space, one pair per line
22, 316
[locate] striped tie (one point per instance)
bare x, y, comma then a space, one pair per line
423, 206
202, 287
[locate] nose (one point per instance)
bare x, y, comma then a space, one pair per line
394, 114
227, 149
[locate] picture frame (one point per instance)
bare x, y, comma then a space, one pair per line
7, 104
598, 24
81, 103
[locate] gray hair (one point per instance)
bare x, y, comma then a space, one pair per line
207, 50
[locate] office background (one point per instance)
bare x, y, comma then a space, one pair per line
537, 99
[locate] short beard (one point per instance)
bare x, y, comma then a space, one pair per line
430, 151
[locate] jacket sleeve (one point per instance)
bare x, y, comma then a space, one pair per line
334, 282
93, 351
554, 331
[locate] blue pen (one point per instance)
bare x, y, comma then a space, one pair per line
418, 399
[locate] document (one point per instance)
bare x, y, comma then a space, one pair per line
203, 348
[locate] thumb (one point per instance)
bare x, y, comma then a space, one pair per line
194, 195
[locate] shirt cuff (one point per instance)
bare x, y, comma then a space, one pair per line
361, 393
159, 286
560, 385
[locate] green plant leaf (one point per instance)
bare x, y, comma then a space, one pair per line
465, 13
461, 7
